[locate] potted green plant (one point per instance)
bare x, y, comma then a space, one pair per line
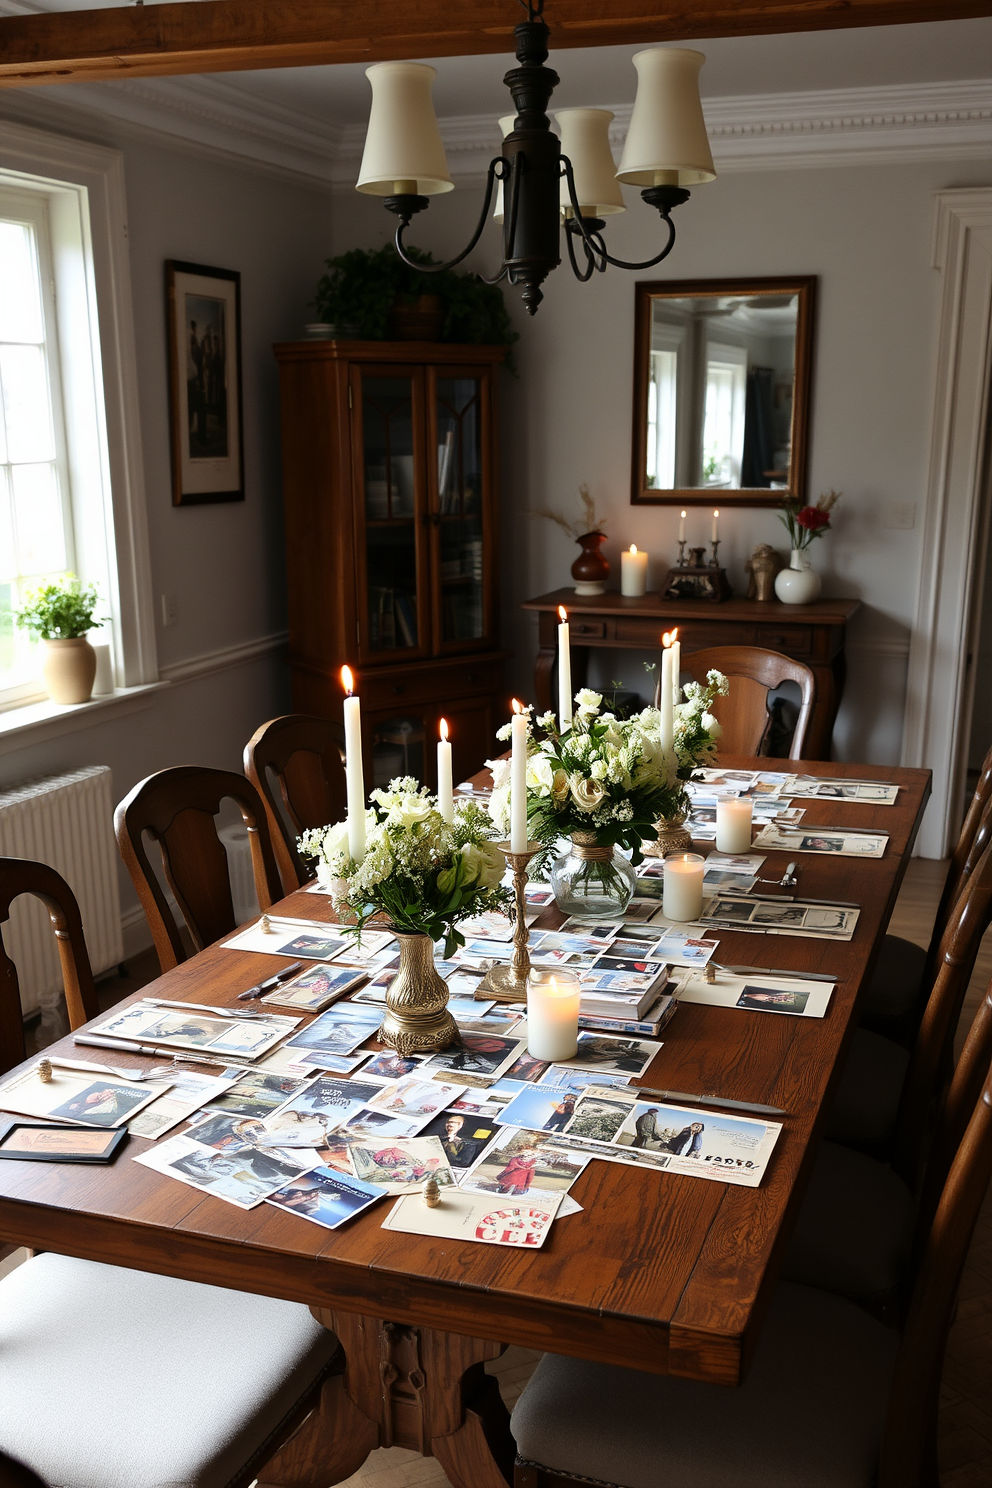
60, 616
377, 296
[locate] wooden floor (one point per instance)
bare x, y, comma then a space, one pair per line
966, 1399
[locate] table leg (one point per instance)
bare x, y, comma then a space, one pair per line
402, 1387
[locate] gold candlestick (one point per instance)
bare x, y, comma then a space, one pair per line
509, 983
672, 837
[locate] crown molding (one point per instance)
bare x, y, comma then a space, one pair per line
780, 131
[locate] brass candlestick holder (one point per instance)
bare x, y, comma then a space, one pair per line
672, 837
509, 983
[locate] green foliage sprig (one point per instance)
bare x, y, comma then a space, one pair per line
62, 611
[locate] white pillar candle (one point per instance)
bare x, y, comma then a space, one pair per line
552, 1015
733, 826
564, 672
676, 674
682, 527
354, 773
518, 780
715, 531
666, 717
445, 788
633, 573
683, 892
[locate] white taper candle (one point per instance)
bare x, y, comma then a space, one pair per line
445, 788
666, 717
518, 780
354, 773
564, 673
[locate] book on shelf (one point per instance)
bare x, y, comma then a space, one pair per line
406, 618
445, 466
392, 618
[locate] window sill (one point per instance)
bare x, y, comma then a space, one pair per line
37, 722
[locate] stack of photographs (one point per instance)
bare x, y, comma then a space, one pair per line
187, 1028
779, 916
824, 840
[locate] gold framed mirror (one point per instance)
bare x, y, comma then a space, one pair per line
722, 371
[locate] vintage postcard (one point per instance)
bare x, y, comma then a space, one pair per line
482, 1218
519, 1160
595, 929
415, 1097
488, 1055
577, 944
258, 1093
780, 916
704, 1144
377, 1125
619, 1056
807, 999
546, 1108
331, 1101
314, 989
326, 1197
244, 1177
824, 840
282, 930
338, 1031
631, 973
226, 1133
600, 1113
560, 1077
188, 1091
873, 792
185, 1028
78, 1094
389, 1065
402, 1164
634, 1157
463, 1136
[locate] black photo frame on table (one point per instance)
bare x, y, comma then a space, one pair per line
205, 425
62, 1144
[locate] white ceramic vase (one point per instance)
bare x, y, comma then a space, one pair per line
68, 670
798, 584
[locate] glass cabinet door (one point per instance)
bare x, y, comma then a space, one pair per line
391, 504
461, 522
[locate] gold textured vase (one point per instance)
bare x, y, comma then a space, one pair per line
673, 837
417, 1018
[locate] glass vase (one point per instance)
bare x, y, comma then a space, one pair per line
592, 881
417, 1018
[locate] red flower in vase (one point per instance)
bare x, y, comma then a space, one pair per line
812, 518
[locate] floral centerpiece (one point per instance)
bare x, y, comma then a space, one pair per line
420, 875
605, 782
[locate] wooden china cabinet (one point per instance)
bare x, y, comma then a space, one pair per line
389, 477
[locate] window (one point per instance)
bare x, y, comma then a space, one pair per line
36, 539
723, 415
662, 410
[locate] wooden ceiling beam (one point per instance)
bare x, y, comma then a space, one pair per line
244, 35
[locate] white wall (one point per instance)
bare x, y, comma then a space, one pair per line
866, 232
224, 564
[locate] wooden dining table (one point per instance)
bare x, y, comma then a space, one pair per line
659, 1272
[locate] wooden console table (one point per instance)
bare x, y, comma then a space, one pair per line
812, 633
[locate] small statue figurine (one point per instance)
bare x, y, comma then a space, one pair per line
45, 1071
265, 925
432, 1193
762, 566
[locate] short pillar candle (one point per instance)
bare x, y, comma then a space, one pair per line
633, 573
552, 1015
683, 891
733, 826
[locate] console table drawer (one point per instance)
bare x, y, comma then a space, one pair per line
588, 630
463, 678
793, 640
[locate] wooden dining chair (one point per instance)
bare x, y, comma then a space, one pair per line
23, 876
893, 1001
744, 714
177, 808
832, 1396
301, 757
885, 1097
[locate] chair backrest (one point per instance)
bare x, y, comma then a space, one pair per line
177, 808
744, 715
909, 1458
23, 876
932, 1051
978, 810
304, 756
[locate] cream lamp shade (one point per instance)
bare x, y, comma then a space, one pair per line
506, 124
585, 139
666, 143
403, 150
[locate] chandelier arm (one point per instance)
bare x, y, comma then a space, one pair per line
497, 172
495, 278
589, 239
583, 275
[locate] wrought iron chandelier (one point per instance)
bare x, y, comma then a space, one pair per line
539, 180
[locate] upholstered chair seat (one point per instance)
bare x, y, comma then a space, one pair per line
865, 1103
893, 1001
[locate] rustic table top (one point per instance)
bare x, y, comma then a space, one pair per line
660, 1270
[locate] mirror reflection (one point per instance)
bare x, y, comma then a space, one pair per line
722, 380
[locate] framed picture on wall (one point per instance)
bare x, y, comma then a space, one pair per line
204, 329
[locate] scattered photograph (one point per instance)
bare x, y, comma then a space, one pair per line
377, 1125
256, 1093
841, 844
560, 1077
337, 1031
637, 914
244, 1178
227, 1133
772, 1000
327, 1197
462, 1135
526, 1067
641, 967
415, 1097
730, 909
595, 929
552, 956
401, 1165
312, 947
484, 1054
190, 1030
292, 1129
598, 1115
578, 944
706, 1144
603, 1051
188, 1091
390, 1065
332, 1101
648, 888
490, 924
520, 1160
103, 1103
313, 990
538, 895
777, 914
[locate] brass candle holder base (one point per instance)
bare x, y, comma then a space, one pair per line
417, 1020
672, 837
509, 983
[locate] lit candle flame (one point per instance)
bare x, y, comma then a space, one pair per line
682, 515
633, 547
517, 707
675, 635
716, 514
347, 680
666, 639
442, 729
562, 614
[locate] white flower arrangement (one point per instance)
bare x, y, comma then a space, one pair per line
607, 775
419, 871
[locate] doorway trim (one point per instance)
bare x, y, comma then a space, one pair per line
938, 697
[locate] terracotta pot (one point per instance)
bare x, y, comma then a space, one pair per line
68, 670
421, 321
590, 570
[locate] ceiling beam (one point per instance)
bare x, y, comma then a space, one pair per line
243, 35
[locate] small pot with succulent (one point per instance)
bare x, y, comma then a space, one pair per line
60, 617
591, 569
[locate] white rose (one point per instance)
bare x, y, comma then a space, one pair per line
586, 698
499, 808
484, 863
410, 811
559, 785
500, 771
587, 794
599, 770
540, 774
335, 843
711, 725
